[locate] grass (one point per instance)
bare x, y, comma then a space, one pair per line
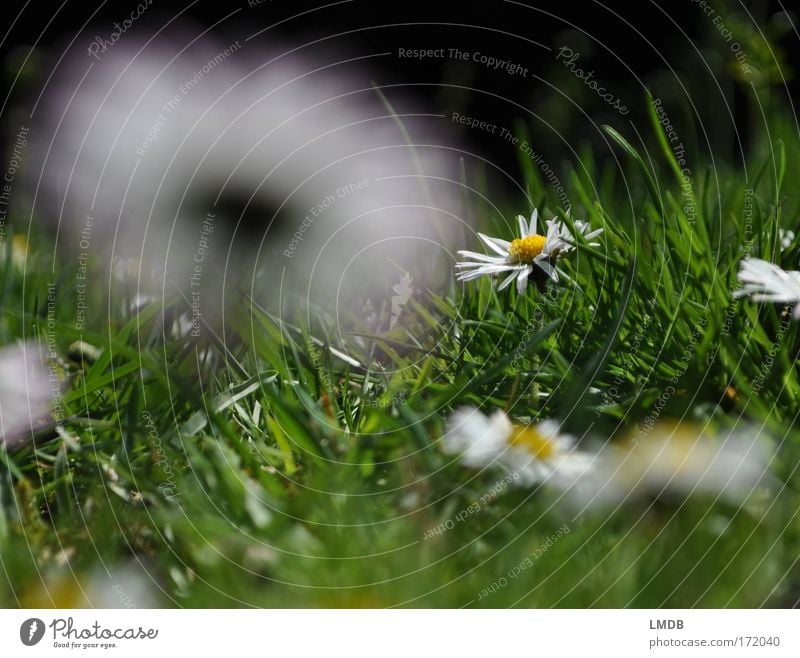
264, 470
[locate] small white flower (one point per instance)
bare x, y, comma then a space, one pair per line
787, 238
519, 257
25, 395
533, 454
19, 251
766, 282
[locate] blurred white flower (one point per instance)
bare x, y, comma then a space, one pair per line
676, 460
18, 248
209, 160
532, 454
765, 281
787, 238
478, 439
25, 394
127, 586
520, 256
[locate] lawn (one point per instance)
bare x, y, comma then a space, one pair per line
287, 463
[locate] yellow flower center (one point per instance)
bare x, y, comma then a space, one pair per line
524, 250
673, 444
527, 437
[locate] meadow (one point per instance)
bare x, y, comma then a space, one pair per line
286, 464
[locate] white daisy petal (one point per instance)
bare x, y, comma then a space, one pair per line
470, 265
548, 268
500, 247
550, 428
523, 226
765, 281
495, 269
482, 257
503, 244
522, 280
534, 223
488, 269
507, 281
478, 439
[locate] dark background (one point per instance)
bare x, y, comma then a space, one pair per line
629, 46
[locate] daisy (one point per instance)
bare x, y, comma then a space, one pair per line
519, 257
532, 454
677, 460
765, 281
